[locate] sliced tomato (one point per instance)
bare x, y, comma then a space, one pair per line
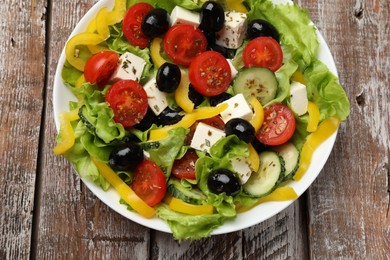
149, 182
132, 22
215, 121
128, 100
263, 52
210, 73
278, 126
183, 42
100, 67
184, 168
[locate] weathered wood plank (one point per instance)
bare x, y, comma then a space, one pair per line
22, 76
349, 202
280, 237
72, 222
227, 246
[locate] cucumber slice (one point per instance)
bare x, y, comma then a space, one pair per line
86, 119
193, 196
290, 155
268, 177
256, 82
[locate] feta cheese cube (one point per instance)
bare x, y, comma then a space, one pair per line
205, 136
241, 167
298, 98
237, 108
130, 67
234, 31
232, 68
157, 99
180, 15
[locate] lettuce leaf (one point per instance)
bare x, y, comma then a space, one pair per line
326, 92
185, 226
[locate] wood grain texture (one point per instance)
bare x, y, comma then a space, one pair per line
72, 222
22, 76
349, 202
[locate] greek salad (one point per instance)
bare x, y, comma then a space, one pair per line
195, 111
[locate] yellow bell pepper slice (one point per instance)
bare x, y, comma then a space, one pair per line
126, 193
298, 77
253, 158
66, 131
86, 38
258, 116
188, 120
236, 5
118, 12
155, 47
178, 205
181, 93
101, 23
325, 129
314, 116
80, 81
280, 194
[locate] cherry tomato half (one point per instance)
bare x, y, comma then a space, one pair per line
210, 73
278, 126
149, 182
183, 42
129, 101
215, 121
132, 22
100, 67
263, 52
184, 168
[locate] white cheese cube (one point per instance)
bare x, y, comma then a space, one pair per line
157, 99
237, 108
298, 98
205, 136
241, 167
180, 15
130, 67
232, 69
234, 31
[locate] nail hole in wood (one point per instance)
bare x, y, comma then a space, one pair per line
360, 100
358, 13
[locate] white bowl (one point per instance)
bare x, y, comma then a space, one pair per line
262, 212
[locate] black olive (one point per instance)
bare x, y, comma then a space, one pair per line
223, 180
126, 157
212, 17
155, 23
259, 146
260, 27
169, 116
215, 100
241, 128
210, 37
147, 121
168, 77
195, 96
218, 48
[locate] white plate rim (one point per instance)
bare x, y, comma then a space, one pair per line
258, 214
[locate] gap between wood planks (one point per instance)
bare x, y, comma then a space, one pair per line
38, 179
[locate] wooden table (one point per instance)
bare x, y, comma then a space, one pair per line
47, 213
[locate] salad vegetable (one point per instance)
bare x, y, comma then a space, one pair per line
197, 110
